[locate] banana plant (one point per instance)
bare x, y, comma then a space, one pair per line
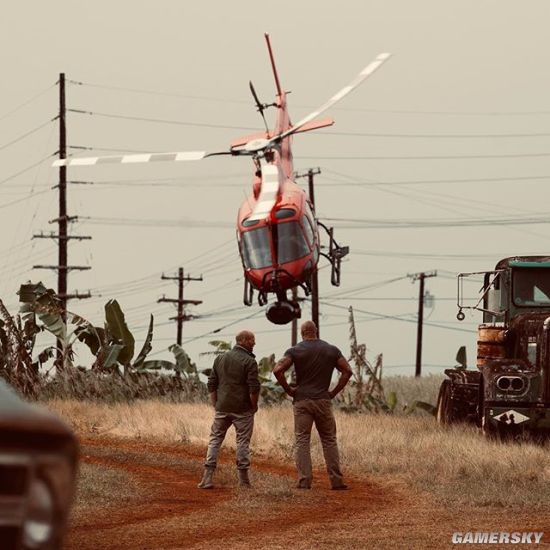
115, 345
40, 302
270, 391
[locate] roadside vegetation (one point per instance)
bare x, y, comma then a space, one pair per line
456, 464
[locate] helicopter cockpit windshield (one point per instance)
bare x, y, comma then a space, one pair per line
256, 249
291, 242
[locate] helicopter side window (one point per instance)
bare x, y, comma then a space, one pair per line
256, 249
291, 242
308, 230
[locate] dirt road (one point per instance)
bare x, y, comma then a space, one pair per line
167, 511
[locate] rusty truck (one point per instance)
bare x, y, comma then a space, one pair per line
509, 391
38, 467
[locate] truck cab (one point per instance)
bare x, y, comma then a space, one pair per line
509, 391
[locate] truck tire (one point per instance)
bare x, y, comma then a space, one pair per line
444, 412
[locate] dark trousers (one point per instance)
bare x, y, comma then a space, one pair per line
318, 411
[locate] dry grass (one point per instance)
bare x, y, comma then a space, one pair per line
410, 389
457, 463
99, 486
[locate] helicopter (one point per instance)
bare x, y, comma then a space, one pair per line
277, 231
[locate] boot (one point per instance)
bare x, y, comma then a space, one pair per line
206, 481
244, 480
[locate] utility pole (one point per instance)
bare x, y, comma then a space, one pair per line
180, 302
63, 220
422, 276
311, 173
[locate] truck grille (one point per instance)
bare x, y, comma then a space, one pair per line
15, 472
10, 537
13, 479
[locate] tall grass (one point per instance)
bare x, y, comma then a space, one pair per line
410, 389
456, 463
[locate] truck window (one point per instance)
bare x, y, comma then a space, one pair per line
531, 287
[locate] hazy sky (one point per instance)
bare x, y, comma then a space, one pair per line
464, 97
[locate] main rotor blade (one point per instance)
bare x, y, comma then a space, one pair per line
259, 105
255, 96
364, 74
268, 193
133, 159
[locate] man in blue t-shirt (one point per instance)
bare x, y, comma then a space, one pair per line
314, 362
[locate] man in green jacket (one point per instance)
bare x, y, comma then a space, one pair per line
234, 388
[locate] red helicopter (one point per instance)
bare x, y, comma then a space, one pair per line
277, 230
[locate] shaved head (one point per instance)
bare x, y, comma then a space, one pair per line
308, 329
246, 339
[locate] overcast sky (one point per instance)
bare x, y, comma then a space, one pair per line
456, 126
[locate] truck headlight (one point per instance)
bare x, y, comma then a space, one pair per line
39, 524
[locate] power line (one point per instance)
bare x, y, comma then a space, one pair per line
27, 102
395, 318
155, 222
162, 121
158, 93
34, 165
439, 181
22, 199
358, 223
426, 157
434, 136
351, 109
26, 134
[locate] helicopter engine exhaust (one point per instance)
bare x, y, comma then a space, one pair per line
283, 312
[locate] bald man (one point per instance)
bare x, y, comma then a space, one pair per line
314, 361
234, 388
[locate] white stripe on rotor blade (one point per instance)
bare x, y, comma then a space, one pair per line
136, 158
87, 161
191, 155
341, 93
367, 71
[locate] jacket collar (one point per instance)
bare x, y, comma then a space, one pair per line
237, 347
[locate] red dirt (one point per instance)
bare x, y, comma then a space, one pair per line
175, 514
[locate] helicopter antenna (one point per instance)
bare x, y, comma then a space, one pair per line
261, 107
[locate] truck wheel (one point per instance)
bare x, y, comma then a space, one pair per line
444, 413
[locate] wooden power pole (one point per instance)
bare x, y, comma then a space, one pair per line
311, 173
420, 277
180, 302
63, 219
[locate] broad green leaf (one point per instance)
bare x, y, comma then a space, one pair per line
93, 337
109, 355
147, 347
116, 325
391, 400
182, 360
